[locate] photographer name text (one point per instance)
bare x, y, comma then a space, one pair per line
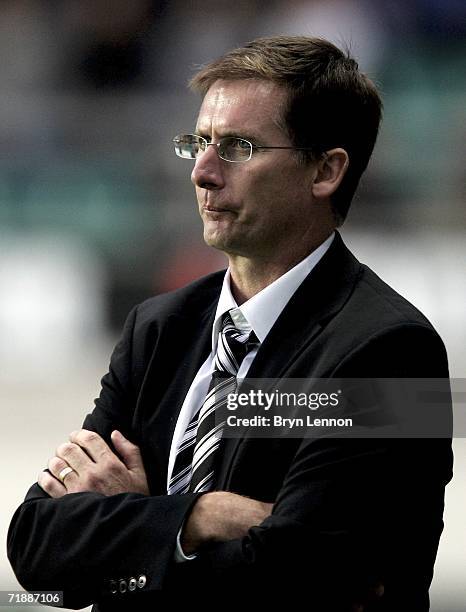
286, 422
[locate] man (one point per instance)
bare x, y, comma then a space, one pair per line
149, 496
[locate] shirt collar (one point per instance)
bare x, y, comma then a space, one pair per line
261, 311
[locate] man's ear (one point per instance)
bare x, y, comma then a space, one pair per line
330, 172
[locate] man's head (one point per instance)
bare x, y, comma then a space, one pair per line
328, 103
263, 208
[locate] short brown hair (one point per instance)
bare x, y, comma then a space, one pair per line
324, 84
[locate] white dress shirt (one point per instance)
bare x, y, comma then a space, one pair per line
258, 314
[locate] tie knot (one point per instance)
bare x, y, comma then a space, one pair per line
239, 335
233, 345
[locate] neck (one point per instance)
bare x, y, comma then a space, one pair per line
249, 275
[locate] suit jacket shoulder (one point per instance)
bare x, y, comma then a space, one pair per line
191, 299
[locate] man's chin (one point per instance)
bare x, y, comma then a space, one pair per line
215, 241
220, 241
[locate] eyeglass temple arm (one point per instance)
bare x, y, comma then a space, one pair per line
295, 148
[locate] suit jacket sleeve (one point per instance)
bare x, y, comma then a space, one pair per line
83, 542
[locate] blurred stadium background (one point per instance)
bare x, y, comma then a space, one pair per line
97, 213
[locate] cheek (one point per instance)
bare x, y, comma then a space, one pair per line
200, 196
276, 189
258, 183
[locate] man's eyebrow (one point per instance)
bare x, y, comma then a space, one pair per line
230, 133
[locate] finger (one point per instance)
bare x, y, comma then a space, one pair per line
51, 485
128, 451
92, 443
56, 465
74, 456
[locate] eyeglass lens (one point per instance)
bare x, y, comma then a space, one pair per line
190, 146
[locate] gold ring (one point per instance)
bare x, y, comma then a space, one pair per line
64, 473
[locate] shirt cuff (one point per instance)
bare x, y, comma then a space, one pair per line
179, 556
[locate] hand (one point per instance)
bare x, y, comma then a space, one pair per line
95, 467
221, 516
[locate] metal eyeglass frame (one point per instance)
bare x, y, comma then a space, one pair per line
252, 147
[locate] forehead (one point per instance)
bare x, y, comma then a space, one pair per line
250, 105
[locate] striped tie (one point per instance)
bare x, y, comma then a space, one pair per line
195, 460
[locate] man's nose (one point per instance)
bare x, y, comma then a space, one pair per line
208, 170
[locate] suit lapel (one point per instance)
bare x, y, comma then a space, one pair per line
183, 345
318, 300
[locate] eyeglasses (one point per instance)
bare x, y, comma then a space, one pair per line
230, 148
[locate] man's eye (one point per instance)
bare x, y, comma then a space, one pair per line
240, 143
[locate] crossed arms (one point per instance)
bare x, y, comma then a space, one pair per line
215, 517
218, 516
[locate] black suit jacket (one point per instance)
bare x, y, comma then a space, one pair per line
348, 513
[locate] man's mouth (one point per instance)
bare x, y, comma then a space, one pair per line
215, 209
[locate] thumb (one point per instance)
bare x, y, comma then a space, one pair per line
128, 451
